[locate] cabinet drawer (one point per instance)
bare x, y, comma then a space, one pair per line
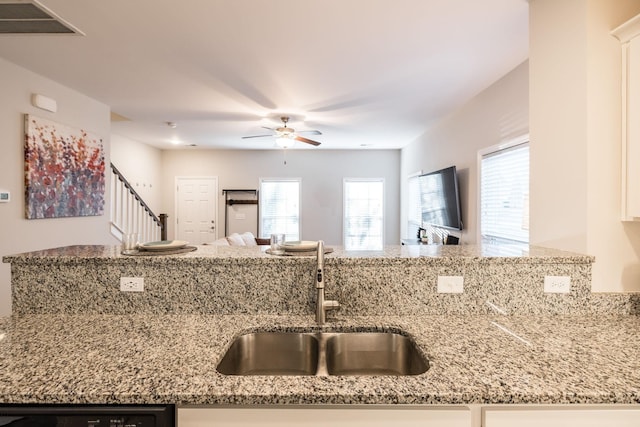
562, 417
323, 416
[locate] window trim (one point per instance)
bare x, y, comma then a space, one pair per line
410, 177
344, 205
261, 180
510, 143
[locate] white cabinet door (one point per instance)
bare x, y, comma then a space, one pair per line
330, 416
629, 35
561, 417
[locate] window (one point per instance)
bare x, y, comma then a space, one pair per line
504, 194
363, 214
280, 208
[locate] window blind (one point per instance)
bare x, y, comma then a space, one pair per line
280, 208
363, 214
504, 195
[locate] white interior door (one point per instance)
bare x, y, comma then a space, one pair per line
196, 209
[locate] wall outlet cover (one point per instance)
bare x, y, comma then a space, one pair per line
557, 284
450, 284
132, 284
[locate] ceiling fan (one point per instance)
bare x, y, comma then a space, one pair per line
286, 136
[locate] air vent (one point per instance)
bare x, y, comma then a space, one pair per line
31, 17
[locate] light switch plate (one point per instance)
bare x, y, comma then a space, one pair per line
557, 284
450, 284
5, 197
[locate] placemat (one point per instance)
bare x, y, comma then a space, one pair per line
136, 252
301, 253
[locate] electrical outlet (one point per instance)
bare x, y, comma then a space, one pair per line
450, 284
132, 284
557, 284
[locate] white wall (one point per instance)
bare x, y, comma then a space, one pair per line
322, 173
575, 136
141, 165
558, 115
18, 234
498, 114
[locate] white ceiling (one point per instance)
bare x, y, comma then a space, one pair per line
373, 73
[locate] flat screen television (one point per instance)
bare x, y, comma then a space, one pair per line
440, 199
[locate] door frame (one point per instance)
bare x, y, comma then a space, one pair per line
175, 201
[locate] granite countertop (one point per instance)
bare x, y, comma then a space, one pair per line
172, 359
486, 254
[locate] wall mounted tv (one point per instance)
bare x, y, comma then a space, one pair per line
440, 199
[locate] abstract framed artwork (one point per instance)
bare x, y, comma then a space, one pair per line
64, 170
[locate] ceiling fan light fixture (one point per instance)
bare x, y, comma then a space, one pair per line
285, 141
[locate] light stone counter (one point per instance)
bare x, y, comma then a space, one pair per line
76, 338
485, 253
172, 359
400, 280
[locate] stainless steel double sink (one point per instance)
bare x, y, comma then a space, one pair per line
323, 354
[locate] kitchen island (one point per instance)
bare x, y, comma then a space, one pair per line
76, 338
399, 280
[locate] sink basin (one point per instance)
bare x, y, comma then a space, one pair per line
271, 353
322, 353
373, 353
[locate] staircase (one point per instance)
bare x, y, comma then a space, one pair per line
130, 214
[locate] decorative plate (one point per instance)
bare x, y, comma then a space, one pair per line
163, 245
300, 246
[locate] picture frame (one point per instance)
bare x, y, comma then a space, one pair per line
64, 170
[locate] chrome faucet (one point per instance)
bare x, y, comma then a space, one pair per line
322, 306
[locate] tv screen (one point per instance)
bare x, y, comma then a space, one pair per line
439, 199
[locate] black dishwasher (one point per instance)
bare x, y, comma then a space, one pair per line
87, 415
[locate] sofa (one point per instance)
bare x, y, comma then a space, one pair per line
245, 239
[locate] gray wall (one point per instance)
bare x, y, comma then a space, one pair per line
18, 234
576, 132
496, 115
322, 173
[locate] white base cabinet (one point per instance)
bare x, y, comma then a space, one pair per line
325, 416
411, 416
567, 416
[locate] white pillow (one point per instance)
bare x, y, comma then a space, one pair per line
235, 240
249, 238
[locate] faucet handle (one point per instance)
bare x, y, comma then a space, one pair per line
331, 305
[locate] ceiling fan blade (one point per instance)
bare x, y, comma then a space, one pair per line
308, 141
256, 136
268, 128
312, 132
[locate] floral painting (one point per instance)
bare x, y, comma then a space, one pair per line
64, 170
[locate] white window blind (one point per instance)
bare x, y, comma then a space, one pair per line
363, 214
280, 208
504, 195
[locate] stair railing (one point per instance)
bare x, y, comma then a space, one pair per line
130, 214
